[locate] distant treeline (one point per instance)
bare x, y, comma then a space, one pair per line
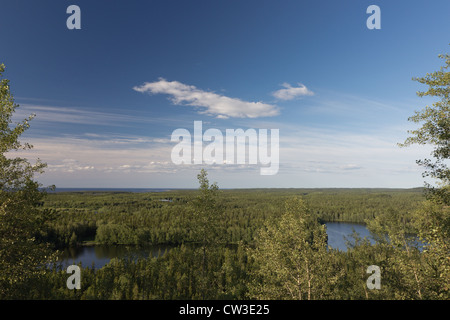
162, 217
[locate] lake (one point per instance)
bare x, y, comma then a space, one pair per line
100, 255
338, 231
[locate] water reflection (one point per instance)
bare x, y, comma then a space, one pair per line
98, 256
340, 232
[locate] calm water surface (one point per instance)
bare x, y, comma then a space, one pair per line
98, 256
339, 231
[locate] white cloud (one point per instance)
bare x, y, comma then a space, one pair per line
338, 158
309, 157
334, 154
52, 114
69, 166
350, 166
218, 105
69, 157
290, 93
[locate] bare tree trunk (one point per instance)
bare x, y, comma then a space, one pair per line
309, 280
416, 277
365, 285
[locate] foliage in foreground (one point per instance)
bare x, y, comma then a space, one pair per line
288, 260
20, 219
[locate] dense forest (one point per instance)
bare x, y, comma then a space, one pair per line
230, 244
162, 217
279, 246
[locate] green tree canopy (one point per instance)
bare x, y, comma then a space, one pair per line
432, 220
435, 129
206, 227
21, 256
291, 258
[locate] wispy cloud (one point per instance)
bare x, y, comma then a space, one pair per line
101, 155
69, 166
213, 103
350, 154
329, 154
290, 93
56, 114
309, 156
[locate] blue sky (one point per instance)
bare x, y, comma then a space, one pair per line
339, 93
